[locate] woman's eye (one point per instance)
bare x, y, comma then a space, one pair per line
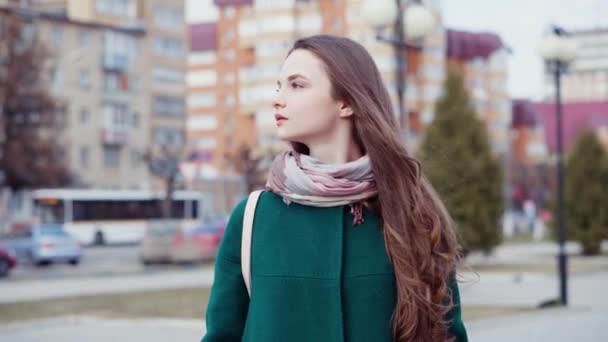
295, 85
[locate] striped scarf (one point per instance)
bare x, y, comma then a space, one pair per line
302, 179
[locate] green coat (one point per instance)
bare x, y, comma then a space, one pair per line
315, 278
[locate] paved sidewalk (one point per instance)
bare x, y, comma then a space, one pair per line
11, 292
91, 329
530, 289
555, 325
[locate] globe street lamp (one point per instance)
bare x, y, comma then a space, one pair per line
558, 50
409, 27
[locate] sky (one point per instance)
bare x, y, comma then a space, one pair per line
520, 23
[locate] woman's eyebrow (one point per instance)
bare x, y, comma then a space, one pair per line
293, 77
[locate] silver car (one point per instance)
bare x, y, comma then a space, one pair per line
45, 243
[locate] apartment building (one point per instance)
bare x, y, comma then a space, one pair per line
118, 69
252, 38
88, 71
586, 79
482, 59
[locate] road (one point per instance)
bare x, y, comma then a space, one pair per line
96, 262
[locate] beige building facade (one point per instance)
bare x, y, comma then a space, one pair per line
252, 38
117, 67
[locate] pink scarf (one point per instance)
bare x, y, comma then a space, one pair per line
302, 179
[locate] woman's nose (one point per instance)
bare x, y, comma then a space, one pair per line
278, 101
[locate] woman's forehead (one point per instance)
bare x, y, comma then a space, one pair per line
304, 63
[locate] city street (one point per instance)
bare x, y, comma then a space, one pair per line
96, 261
104, 261
583, 320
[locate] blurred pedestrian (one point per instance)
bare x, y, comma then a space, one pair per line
350, 240
530, 214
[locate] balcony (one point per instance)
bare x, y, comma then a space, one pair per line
114, 136
115, 62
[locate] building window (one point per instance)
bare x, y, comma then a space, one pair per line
136, 158
168, 17
205, 143
111, 156
168, 106
119, 50
84, 116
84, 157
201, 100
115, 82
56, 37
248, 28
83, 39
117, 116
202, 78
168, 47
122, 8
202, 123
167, 136
206, 57
168, 75
56, 77
314, 23
85, 79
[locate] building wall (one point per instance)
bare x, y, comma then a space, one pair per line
103, 144
587, 77
204, 109
265, 30
254, 37
132, 101
528, 145
166, 43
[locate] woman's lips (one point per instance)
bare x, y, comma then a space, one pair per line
279, 118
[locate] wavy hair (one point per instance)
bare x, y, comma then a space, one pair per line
418, 231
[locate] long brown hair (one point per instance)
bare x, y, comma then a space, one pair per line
419, 235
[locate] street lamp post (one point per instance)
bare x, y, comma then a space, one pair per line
557, 50
409, 27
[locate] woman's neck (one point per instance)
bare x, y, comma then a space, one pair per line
335, 153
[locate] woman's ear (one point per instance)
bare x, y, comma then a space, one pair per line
345, 110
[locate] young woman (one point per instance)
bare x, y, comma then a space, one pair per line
350, 241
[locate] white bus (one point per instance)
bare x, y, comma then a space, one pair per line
112, 216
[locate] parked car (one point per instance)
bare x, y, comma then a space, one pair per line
167, 241
44, 243
197, 244
8, 260
155, 246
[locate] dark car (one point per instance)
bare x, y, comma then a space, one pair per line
8, 260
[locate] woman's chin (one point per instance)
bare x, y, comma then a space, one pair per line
284, 135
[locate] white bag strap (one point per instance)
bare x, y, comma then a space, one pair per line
252, 202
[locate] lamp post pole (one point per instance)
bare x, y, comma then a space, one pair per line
558, 50
410, 22
400, 49
562, 255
